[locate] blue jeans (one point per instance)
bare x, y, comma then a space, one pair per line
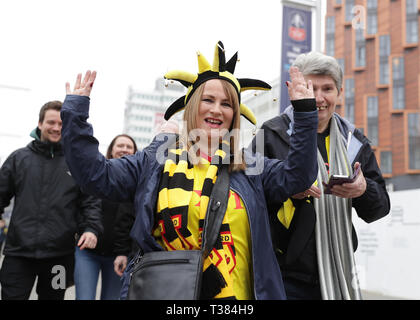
125, 278
86, 273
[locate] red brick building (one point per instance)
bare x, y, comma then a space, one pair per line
377, 44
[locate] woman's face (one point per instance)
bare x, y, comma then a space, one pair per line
326, 96
215, 112
122, 147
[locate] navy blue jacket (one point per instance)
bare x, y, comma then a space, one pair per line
136, 178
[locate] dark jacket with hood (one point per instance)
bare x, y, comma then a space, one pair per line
48, 206
295, 245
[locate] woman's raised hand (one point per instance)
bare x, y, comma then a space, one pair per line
298, 87
82, 88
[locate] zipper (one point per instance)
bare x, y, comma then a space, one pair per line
157, 262
252, 245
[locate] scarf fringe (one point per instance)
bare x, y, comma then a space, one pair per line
212, 283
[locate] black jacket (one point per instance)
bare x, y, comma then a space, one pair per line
117, 220
295, 246
48, 206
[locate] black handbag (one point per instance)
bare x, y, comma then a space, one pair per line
176, 275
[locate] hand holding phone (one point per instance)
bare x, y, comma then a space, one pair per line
339, 179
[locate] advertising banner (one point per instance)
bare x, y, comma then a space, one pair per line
296, 39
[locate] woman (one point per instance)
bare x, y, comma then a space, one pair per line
244, 254
311, 230
113, 243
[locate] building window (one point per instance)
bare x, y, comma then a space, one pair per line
360, 54
398, 91
372, 17
329, 37
349, 99
341, 62
411, 35
348, 10
372, 120
384, 52
386, 162
414, 140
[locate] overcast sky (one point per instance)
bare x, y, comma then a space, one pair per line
45, 43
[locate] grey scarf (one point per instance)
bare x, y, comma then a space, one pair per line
333, 230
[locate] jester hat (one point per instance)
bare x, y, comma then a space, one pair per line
220, 70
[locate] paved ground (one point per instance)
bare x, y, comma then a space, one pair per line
70, 293
378, 296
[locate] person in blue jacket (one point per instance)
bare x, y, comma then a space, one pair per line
170, 180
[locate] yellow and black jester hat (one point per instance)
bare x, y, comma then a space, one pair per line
220, 70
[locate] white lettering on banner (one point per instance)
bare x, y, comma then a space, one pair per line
387, 257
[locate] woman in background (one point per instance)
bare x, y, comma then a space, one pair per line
114, 245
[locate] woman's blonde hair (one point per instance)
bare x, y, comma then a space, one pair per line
236, 162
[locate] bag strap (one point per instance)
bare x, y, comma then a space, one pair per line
216, 210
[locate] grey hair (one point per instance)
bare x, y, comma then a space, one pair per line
320, 64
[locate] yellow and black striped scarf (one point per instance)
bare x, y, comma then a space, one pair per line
175, 191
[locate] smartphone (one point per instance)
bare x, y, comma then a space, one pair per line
339, 179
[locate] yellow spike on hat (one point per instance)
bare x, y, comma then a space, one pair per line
248, 114
220, 70
181, 76
203, 64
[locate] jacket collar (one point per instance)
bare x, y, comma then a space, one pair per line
344, 126
46, 148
